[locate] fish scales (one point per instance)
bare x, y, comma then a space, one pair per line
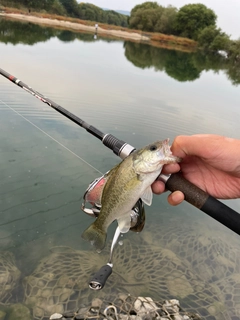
116, 195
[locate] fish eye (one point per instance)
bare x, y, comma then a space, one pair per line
153, 148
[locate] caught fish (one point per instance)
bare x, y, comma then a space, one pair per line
128, 181
93, 196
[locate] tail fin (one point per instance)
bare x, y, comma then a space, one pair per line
97, 237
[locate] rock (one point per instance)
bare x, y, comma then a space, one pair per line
9, 275
56, 316
96, 303
2, 315
19, 312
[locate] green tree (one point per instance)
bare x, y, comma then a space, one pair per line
90, 14
31, 4
152, 17
234, 51
71, 7
211, 38
147, 19
145, 6
44, 4
51, 6
57, 8
166, 22
220, 42
206, 36
89, 11
135, 21
145, 16
192, 19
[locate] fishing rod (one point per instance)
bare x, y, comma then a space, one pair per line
192, 194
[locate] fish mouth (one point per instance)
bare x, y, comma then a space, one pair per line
166, 148
166, 141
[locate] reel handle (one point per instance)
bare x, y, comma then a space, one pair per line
99, 279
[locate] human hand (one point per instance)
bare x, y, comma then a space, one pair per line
211, 162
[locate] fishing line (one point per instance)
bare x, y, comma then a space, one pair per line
48, 135
66, 148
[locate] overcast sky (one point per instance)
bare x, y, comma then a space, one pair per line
227, 11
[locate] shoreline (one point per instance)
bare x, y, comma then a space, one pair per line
76, 26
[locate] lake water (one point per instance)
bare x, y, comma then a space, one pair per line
139, 94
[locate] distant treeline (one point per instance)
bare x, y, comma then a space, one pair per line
71, 8
179, 65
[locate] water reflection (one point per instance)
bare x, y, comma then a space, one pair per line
179, 65
29, 33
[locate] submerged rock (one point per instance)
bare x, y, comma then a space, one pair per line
9, 276
127, 307
2, 315
19, 312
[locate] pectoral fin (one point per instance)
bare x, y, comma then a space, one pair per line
124, 222
147, 196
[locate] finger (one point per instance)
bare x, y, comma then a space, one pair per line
170, 168
158, 187
175, 198
201, 145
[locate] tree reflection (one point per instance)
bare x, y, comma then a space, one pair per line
182, 66
66, 36
27, 33
233, 73
178, 65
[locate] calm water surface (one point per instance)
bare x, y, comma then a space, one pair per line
140, 94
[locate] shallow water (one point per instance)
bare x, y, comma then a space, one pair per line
139, 94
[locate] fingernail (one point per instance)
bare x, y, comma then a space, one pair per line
177, 197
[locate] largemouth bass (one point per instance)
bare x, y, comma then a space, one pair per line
128, 181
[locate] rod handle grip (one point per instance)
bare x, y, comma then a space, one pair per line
203, 201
